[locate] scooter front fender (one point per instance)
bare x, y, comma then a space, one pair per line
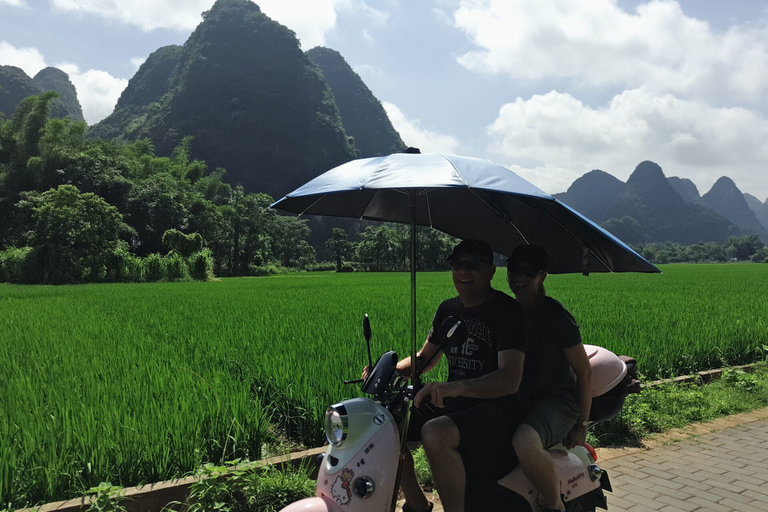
316, 504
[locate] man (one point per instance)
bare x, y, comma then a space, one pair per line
484, 375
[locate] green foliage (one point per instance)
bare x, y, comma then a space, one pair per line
182, 244
154, 270
265, 489
339, 246
201, 265
741, 248
106, 498
15, 263
74, 235
386, 247
662, 408
175, 267
423, 470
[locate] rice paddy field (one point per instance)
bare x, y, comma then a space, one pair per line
135, 383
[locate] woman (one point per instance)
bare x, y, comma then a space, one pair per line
557, 375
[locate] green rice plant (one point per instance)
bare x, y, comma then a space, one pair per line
145, 382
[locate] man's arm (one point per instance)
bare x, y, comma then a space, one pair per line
579, 361
504, 381
428, 353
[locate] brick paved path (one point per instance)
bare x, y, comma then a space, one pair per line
719, 466
721, 471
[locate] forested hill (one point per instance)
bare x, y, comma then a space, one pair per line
647, 208
253, 101
363, 115
54, 79
15, 85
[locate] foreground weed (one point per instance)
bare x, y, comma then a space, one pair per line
669, 406
106, 498
266, 489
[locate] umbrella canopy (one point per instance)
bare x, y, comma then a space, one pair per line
467, 198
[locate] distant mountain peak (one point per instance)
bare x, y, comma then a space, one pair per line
253, 101
648, 180
362, 114
725, 198
686, 188
54, 79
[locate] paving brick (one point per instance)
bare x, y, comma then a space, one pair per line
678, 502
741, 507
724, 469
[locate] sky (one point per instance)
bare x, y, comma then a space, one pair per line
551, 89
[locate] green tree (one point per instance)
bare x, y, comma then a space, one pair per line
339, 246
288, 236
378, 248
74, 234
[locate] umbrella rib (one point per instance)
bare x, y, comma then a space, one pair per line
500, 213
313, 204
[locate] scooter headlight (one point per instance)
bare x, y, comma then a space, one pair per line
336, 424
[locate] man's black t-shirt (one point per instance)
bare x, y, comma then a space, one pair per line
497, 324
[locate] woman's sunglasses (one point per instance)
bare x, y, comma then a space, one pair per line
514, 267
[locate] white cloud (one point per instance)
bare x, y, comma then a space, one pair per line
28, 59
310, 19
598, 44
136, 62
414, 135
313, 19
146, 14
560, 139
97, 91
14, 3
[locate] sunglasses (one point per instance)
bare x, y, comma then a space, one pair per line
514, 267
471, 265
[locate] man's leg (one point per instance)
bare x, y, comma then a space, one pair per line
537, 466
441, 438
409, 484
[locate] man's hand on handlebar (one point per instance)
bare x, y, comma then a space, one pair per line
435, 393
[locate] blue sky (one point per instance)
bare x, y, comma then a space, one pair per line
549, 88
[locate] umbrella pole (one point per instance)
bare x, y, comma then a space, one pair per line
414, 375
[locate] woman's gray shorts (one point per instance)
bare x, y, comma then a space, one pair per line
552, 417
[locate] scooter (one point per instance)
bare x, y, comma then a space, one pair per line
360, 470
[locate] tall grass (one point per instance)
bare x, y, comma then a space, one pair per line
135, 383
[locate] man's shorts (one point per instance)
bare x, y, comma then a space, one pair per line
485, 429
552, 417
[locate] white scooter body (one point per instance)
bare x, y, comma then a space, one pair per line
577, 472
360, 474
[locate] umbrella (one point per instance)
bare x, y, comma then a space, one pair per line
467, 198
